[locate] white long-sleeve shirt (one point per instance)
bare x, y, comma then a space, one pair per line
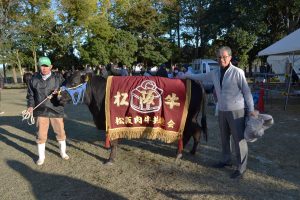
235, 92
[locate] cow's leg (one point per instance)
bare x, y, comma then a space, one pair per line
113, 152
192, 129
196, 136
186, 137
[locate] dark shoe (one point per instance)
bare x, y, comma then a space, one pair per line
237, 175
222, 165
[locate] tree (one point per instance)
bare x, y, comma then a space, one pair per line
195, 16
242, 42
143, 20
238, 24
123, 47
282, 18
7, 29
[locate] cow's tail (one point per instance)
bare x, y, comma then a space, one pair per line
204, 111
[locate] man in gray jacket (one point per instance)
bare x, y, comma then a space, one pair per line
234, 96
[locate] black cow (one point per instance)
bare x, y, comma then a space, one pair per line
95, 100
27, 77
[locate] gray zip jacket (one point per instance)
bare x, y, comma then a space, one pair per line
235, 92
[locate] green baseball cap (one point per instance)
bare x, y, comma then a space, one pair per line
44, 61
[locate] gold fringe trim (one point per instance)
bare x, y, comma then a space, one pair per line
107, 98
144, 132
186, 106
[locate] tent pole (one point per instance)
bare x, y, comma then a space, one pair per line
289, 82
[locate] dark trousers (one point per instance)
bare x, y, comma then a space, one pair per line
233, 123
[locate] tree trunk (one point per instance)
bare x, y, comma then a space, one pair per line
250, 69
197, 43
178, 29
35, 60
19, 65
4, 73
14, 75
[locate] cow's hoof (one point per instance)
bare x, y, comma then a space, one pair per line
192, 152
109, 163
179, 156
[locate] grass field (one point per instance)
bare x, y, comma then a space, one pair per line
144, 169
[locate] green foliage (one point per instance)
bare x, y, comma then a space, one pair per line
241, 43
148, 31
79, 12
95, 52
143, 20
123, 47
154, 51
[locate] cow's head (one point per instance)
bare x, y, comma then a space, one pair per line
74, 81
76, 78
27, 77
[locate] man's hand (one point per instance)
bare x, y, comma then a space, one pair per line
55, 92
30, 109
253, 113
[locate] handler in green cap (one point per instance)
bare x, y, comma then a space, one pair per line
44, 61
51, 111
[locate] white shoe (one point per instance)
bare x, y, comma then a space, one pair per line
40, 161
63, 146
65, 157
41, 151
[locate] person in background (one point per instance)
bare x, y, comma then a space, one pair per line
234, 96
148, 72
42, 85
175, 72
162, 72
124, 71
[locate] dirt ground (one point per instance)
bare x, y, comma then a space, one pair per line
144, 169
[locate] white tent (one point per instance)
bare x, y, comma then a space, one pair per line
279, 64
290, 44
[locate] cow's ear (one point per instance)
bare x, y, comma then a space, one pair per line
82, 78
82, 73
87, 78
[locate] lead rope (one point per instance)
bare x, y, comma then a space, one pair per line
29, 115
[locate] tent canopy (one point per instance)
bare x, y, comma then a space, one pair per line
287, 45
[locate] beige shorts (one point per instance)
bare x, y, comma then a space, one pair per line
43, 126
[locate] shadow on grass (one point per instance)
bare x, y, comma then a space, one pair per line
173, 194
81, 132
219, 186
50, 186
4, 137
78, 133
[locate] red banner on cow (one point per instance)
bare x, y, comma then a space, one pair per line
146, 107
